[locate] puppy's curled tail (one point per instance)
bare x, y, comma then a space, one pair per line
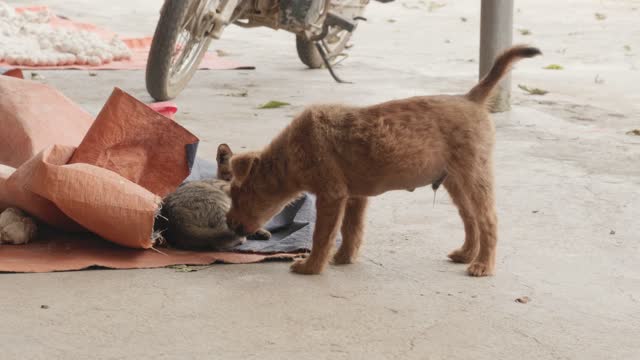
482, 91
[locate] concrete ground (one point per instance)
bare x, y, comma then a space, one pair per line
568, 194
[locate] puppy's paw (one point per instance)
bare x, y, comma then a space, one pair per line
261, 234
461, 256
480, 269
305, 267
340, 258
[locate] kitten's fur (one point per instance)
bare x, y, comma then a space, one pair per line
196, 212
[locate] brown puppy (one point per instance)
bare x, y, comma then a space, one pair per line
345, 154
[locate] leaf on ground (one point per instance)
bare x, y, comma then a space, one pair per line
412, 7
37, 77
533, 91
242, 93
553, 67
635, 132
222, 53
600, 16
187, 268
433, 5
524, 32
273, 104
523, 300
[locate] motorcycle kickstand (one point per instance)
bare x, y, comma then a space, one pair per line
334, 20
323, 55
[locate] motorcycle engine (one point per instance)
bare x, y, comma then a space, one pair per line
298, 15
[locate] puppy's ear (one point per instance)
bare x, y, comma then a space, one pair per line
224, 154
224, 158
242, 164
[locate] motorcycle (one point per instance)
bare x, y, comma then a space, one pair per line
187, 27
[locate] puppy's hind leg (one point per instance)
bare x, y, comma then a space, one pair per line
352, 230
482, 197
329, 217
471, 245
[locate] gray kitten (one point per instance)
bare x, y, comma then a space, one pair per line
195, 214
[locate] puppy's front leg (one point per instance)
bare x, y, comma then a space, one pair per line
329, 217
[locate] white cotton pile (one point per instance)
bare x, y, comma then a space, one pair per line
28, 39
16, 228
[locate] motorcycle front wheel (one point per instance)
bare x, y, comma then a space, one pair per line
178, 46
